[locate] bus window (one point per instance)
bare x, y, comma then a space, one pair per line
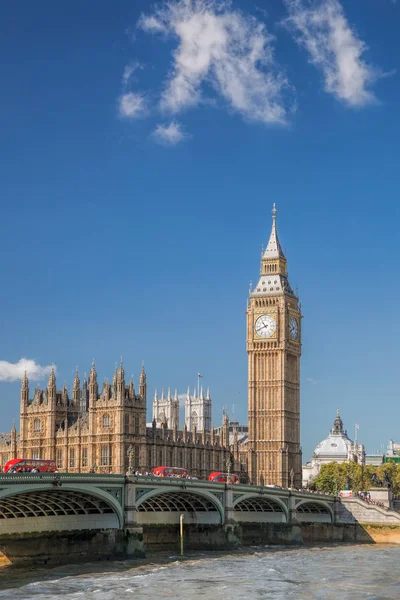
170, 472
16, 465
219, 477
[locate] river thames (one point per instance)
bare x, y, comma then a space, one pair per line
326, 572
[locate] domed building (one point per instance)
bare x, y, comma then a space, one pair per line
337, 447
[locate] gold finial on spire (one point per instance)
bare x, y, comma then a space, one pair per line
337, 412
274, 211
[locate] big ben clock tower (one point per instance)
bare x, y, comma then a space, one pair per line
274, 349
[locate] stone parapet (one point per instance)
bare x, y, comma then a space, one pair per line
353, 510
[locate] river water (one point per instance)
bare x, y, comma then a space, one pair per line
328, 572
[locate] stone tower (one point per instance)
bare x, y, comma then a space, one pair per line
166, 409
274, 348
198, 411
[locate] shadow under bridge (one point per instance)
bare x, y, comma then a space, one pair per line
166, 506
57, 509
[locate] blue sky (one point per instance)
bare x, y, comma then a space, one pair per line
141, 152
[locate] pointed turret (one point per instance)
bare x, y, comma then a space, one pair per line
169, 393
208, 397
84, 402
338, 424
93, 388
162, 395
76, 390
155, 395
51, 387
114, 382
273, 272
52, 379
273, 249
121, 382
143, 384
121, 372
24, 391
25, 381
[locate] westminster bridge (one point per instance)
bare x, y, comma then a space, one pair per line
65, 502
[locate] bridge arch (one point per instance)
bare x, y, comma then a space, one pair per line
166, 506
260, 508
44, 507
315, 511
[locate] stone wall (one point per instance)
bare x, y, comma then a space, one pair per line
62, 547
353, 510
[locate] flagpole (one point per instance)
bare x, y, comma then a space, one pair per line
198, 385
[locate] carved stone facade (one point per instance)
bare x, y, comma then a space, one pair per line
94, 429
274, 348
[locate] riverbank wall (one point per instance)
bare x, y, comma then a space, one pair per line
54, 548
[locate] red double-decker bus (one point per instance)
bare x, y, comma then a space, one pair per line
170, 472
223, 477
25, 465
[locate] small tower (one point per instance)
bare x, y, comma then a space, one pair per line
121, 383
52, 389
76, 390
13, 448
24, 392
198, 411
93, 388
115, 383
84, 401
143, 384
166, 409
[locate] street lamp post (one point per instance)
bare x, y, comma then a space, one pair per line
291, 478
131, 457
228, 468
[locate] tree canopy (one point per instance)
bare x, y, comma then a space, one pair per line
333, 477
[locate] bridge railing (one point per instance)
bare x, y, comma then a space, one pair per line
17, 478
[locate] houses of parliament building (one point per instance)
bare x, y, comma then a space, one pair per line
92, 428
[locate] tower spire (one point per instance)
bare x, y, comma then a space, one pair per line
273, 249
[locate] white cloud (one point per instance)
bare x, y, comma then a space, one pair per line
132, 105
230, 52
15, 371
311, 380
169, 135
129, 71
322, 28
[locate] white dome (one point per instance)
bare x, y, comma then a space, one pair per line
336, 445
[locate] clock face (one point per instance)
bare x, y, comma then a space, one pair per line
265, 326
293, 328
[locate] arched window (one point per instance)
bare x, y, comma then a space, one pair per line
106, 421
36, 425
195, 419
72, 458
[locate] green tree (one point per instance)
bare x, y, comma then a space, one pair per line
333, 477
